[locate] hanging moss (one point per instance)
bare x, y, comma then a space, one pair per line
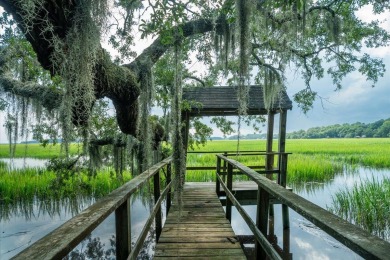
272, 88
179, 158
144, 126
74, 58
244, 10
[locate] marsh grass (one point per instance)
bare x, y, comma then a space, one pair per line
23, 187
38, 151
366, 204
312, 160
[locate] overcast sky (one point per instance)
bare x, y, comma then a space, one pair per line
356, 102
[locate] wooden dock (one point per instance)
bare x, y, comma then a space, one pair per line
202, 231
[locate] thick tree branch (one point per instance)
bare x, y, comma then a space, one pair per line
119, 83
195, 78
154, 52
48, 97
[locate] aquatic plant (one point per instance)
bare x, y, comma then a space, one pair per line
366, 204
22, 187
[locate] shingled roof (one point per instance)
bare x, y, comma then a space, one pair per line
214, 101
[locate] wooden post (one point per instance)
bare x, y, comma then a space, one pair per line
286, 244
283, 163
269, 160
156, 186
224, 166
229, 186
262, 219
283, 169
217, 184
169, 194
282, 136
123, 230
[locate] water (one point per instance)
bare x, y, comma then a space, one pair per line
23, 226
19, 230
306, 240
20, 163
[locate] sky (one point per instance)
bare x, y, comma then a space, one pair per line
357, 101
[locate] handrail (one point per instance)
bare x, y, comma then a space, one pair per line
268, 248
62, 240
355, 238
234, 153
221, 152
144, 232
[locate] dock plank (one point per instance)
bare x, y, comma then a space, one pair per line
200, 230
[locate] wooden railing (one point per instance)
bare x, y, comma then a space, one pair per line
269, 167
64, 239
269, 159
355, 238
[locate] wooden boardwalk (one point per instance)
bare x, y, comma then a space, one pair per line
202, 231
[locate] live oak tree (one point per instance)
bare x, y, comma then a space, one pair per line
243, 41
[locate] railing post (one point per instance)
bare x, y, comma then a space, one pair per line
269, 164
217, 184
169, 179
283, 182
262, 219
286, 244
283, 169
123, 230
158, 219
224, 166
229, 186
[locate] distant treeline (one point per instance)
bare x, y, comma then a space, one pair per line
380, 128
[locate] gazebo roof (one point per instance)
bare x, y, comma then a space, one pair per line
215, 101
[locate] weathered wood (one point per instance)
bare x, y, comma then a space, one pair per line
180, 233
282, 140
209, 252
355, 238
169, 195
63, 239
252, 226
123, 230
201, 231
200, 245
156, 192
229, 185
157, 206
217, 185
262, 221
195, 225
283, 182
235, 257
222, 100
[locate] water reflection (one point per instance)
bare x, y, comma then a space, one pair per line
302, 240
21, 163
23, 224
34, 209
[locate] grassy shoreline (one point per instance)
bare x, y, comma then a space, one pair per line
37, 151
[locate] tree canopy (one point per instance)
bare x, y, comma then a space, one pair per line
52, 52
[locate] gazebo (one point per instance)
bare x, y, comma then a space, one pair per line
222, 101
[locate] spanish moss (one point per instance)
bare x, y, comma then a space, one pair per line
177, 142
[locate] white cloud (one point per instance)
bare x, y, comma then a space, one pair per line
310, 253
